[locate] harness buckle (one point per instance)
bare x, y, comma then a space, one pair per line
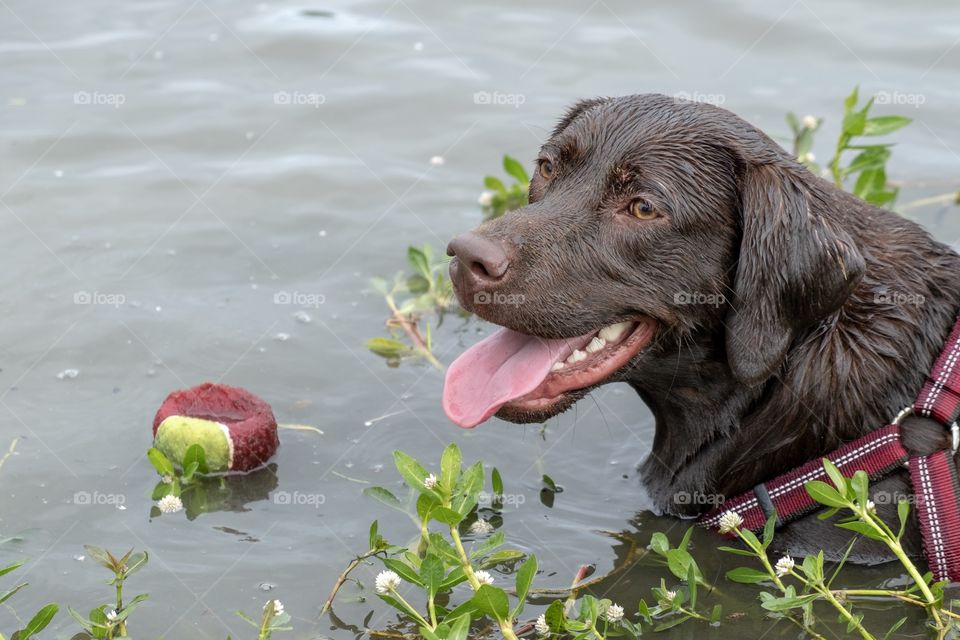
954, 428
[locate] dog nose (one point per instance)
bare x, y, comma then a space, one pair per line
485, 258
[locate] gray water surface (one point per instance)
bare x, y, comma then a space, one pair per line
181, 163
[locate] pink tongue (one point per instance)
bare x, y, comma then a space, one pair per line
498, 369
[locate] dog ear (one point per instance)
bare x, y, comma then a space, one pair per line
795, 267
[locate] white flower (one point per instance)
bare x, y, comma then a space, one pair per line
169, 504
871, 507
669, 597
430, 481
809, 157
784, 566
277, 607
541, 626
166, 479
614, 613
484, 577
387, 581
112, 615
485, 199
730, 521
481, 527
809, 122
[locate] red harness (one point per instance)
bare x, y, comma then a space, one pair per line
934, 477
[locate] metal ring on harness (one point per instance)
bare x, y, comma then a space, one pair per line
954, 428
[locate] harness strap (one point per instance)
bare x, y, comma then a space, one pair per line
934, 477
878, 453
937, 491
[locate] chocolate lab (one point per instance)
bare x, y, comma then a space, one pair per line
764, 315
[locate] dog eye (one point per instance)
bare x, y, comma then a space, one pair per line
643, 210
545, 169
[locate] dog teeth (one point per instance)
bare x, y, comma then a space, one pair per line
615, 331
577, 356
596, 344
557, 366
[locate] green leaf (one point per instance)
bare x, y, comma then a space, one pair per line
549, 484
11, 567
825, 494
524, 578
494, 184
459, 628
893, 629
10, 593
838, 479
403, 570
446, 516
499, 557
497, 482
432, 573
450, 466
418, 261
862, 528
492, 601
851, 101
854, 123
903, 512
787, 602
160, 462
387, 347
413, 474
488, 545
383, 495
38, 622
515, 170
196, 455
680, 562
555, 617
769, 528
659, 543
860, 483
746, 575
882, 125
739, 552
417, 284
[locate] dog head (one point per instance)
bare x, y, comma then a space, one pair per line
651, 222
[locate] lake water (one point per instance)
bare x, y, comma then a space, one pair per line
168, 168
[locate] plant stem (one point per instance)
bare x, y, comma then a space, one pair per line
506, 626
828, 595
413, 332
894, 545
341, 580
413, 612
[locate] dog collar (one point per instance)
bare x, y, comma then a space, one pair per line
933, 478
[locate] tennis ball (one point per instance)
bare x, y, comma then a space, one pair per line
176, 434
236, 429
